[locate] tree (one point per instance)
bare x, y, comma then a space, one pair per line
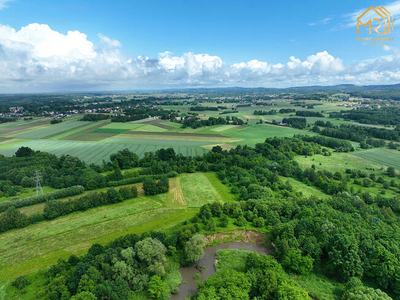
150, 186
294, 261
24, 152
58, 288
157, 288
224, 221
84, 296
192, 166
391, 171
86, 284
27, 182
163, 185
113, 196
365, 293
289, 291
151, 252
125, 192
20, 282
194, 248
134, 192
229, 284
344, 260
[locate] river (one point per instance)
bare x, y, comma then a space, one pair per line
206, 264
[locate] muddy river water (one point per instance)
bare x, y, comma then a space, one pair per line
206, 265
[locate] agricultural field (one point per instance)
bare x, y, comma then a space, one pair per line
93, 142
94, 152
48, 131
388, 158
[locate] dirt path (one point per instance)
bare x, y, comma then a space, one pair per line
175, 196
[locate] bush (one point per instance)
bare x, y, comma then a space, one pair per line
20, 282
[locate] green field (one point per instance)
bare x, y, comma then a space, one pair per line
26, 250
388, 158
50, 130
198, 190
93, 142
95, 152
76, 130
338, 162
258, 133
306, 190
134, 127
28, 192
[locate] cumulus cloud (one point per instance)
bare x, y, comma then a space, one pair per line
37, 58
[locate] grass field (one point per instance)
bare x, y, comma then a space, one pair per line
28, 192
320, 286
26, 250
306, 190
198, 190
388, 158
338, 162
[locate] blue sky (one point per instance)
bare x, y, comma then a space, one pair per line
207, 43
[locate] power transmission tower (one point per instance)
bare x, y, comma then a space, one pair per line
39, 189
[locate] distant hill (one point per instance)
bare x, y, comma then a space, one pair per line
345, 88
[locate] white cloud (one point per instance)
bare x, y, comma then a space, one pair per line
321, 22
3, 3
109, 42
37, 58
350, 20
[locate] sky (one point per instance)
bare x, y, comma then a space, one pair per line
97, 45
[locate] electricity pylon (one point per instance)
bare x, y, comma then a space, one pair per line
39, 189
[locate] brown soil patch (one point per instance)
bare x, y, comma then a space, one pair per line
242, 235
158, 124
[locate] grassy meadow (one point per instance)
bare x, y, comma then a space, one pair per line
29, 249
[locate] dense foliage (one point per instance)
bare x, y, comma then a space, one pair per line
383, 116
299, 123
308, 113
195, 122
95, 117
